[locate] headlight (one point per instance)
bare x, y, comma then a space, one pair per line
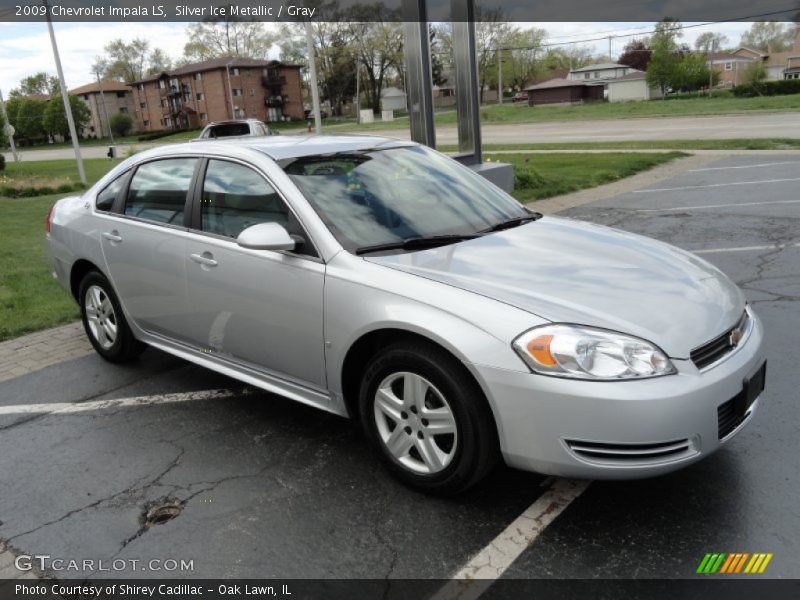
587, 353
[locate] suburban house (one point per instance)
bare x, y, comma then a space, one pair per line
214, 90
731, 66
632, 86
104, 100
599, 73
563, 91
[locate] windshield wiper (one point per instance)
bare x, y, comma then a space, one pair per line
416, 242
513, 222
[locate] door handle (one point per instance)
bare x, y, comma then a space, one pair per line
113, 236
205, 259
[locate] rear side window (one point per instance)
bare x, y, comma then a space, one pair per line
229, 130
236, 197
158, 190
105, 199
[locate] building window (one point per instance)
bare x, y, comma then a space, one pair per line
235, 71
146, 123
162, 84
587, 75
198, 77
164, 103
141, 87
120, 94
729, 66
203, 117
597, 75
252, 92
237, 92
123, 110
142, 104
200, 96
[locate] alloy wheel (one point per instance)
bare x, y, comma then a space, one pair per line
100, 316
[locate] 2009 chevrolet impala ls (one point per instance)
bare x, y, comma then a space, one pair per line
381, 280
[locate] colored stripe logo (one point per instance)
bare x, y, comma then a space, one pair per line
733, 563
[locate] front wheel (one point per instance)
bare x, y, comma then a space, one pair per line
428, 418
103, 321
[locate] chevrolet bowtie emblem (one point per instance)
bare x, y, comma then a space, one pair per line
735, 337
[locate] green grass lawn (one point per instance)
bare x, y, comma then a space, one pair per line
674, 107
47, 172
30, 300
538, 176
732, 144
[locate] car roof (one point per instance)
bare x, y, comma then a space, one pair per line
280, 147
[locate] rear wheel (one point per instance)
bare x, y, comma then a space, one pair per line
103, 321
428, 418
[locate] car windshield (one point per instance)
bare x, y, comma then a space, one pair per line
375, 197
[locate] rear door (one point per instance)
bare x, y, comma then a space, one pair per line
144, 245
256, 307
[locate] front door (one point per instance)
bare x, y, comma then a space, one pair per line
258, 307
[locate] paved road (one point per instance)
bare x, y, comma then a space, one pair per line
270, 488
747, 125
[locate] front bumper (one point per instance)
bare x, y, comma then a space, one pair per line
622, 429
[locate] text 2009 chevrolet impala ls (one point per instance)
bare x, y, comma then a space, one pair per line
381, 280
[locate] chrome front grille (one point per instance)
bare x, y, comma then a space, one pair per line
722, 345
631, 454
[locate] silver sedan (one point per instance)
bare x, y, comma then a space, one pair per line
380, 280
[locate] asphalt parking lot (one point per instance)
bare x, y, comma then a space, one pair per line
264, 487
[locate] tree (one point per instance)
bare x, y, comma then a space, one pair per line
39, 84
665, 57
213, 39
25, 114
709, 42
121, 124
437, 66
130, 61
636, 55
379, 50
769, 36
54, 119
755, 72
523, 60
692, 73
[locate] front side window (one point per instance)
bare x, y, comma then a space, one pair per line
236, 197
158, 190
384, 196
105, 199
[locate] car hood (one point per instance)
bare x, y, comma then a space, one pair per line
574, 272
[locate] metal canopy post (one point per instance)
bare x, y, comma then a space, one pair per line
418, 77
462, 13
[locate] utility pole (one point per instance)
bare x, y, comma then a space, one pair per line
105, 109
499, 76
358, 92
65, 97
609, 47
312, 76
230, 89
711, 66
9, 128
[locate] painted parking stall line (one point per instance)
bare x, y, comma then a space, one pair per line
709, 206
746, 248
79, 407
715, 185
755, 166
474, 578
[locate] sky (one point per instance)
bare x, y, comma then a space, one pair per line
25, 48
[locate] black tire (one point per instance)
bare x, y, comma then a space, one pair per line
125, 346
477, 450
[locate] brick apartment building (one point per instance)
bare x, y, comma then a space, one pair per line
115, 98
215, 90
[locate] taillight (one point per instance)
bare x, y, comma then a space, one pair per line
49, 216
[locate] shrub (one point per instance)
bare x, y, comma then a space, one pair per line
121, 124
148, 137
8, 191
768, 88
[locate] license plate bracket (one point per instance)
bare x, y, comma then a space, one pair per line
751, 389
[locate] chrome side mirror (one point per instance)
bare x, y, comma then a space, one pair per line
266, 236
